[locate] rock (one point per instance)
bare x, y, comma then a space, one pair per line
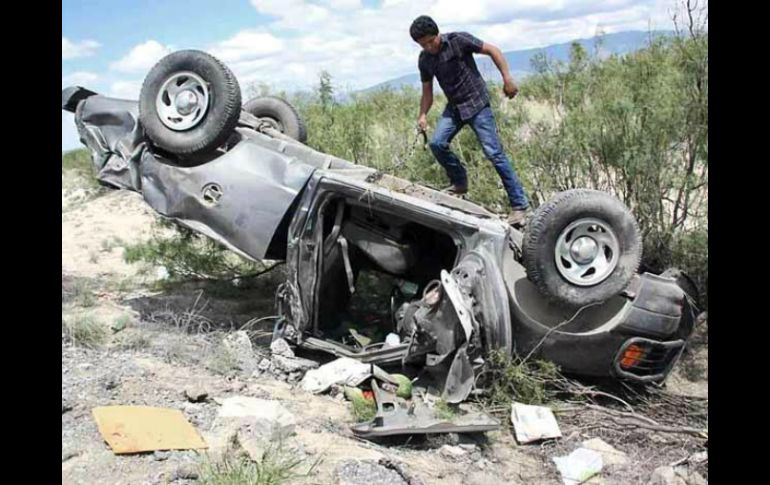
66, 405
264, 365
186, 471
668, 475
239, 345
111, 383
195, 393
366, 472
402, 469
281, 347
269, 417
453, 452
161, 455
294, 364
610, 455
469, 447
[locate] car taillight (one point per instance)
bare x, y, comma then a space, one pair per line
631, 356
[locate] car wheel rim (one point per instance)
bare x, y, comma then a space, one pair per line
182, 101
587, 252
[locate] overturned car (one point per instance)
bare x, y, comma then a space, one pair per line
453, 281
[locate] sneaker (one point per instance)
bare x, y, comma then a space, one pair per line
517, 217
455, 190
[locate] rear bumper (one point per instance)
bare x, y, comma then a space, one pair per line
644, 360
641, 343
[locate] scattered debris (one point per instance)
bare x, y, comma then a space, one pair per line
344, 370
133, 429
533, 423
397, 416
366, 472
404, 389
610, 455
669, 475
364, 409
578, 466
392, 340
195, 393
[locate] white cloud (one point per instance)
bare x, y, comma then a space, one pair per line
125, 89
79, 78
247, 45
364, 46
501, 11
72, 50
141, 57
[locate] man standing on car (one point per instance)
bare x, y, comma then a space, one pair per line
449, 57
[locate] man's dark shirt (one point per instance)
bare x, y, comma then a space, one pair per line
456, 72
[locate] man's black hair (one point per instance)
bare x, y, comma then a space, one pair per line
423, 26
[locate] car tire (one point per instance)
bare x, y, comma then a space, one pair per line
279, 113
205, 108
582, 247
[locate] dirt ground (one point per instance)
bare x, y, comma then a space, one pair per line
157, 345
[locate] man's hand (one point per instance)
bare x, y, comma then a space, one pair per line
509, 88
422, 123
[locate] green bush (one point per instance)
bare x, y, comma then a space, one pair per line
188, 255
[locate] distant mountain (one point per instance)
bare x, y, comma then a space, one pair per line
519, 61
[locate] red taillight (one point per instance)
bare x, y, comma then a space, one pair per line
631, 356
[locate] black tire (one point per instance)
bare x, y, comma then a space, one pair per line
552, 218
220, 118
280, 112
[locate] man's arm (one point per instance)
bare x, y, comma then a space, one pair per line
509, 87
425, 103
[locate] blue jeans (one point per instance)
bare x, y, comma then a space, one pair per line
483, 124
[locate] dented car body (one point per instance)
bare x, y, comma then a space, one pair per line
458, 288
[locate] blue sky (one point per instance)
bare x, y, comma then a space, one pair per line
109, 45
